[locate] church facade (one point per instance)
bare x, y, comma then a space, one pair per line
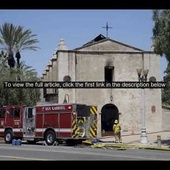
104, 59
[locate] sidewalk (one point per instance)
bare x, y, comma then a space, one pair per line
133, 140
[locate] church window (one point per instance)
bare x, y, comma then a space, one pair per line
109, 74
152, 79
153, 109
67, 78
44, 91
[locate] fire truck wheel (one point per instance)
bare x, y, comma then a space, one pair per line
50, 137
8, 136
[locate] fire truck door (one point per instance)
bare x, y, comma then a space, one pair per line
51, 120
2, 121
2, 117
29, 122
14, 118
65, 125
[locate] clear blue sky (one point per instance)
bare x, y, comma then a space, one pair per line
77, 27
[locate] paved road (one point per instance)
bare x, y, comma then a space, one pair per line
46, 153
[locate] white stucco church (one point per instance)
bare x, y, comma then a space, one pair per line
105, 59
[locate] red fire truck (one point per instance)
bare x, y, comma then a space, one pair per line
49, 123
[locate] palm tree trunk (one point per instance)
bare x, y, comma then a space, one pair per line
11, 61
18, 56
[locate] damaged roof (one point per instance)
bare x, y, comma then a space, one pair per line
100, 38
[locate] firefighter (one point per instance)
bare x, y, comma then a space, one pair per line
117, 131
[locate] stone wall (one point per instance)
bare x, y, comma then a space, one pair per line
88, 63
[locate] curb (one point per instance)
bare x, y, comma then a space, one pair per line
122, 146
137, 147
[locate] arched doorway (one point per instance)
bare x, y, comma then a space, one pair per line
109, 113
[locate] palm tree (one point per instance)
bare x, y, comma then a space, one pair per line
14, 39
24, 40
7, 41
3, 60
27, 73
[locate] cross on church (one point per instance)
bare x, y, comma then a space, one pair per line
107, 27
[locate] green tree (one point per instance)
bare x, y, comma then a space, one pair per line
25, 95
14, 39
22, 96
161, 43
161, 32
4, 72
